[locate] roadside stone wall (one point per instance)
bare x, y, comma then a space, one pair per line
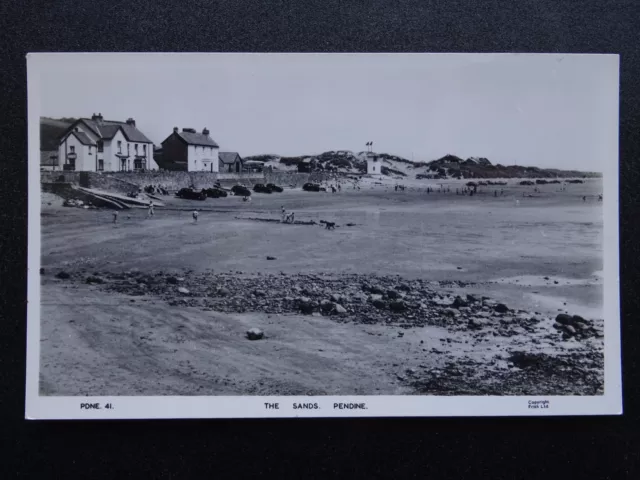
111, 184
53, 176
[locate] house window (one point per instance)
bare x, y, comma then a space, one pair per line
135, 147
90, 150
119, 146
100, 146
128, 145
144, 149
72, 148
100, 165
137, 164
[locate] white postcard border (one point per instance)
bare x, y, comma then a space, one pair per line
143, 407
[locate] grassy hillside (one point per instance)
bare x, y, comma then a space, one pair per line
50, 131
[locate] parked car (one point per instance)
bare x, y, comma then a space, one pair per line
215, 193
274, 188
190, 194
240, 190
311, 187
261, 188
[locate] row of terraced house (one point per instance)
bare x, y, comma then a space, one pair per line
98, 145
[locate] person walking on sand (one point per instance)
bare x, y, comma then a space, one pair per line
584, 198
150, 213
283, 214
195, 216
115, 216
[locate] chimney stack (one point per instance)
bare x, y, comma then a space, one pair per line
175, 129
205, 131
131, 121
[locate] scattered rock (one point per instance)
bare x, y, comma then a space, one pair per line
183, 290
326, 306
397, 306
392, 294
374, 289
224, 291
458, 302
501, 308
172, 280
474, 324
94, 280
255, 334
63, 275
380, 304
340, 308
271, 258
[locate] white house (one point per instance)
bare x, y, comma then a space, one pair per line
195, 151
374, 164
97, 145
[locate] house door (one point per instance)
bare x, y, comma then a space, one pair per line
237, 167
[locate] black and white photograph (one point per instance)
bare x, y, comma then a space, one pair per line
247, 235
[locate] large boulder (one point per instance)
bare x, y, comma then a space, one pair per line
501, 308
340, 308
564, 319
255, 334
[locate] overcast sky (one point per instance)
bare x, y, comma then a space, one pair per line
544, 110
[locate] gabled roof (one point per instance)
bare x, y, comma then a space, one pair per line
199, 139
107, 129
84, 138
229, 157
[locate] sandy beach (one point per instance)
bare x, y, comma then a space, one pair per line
123, 323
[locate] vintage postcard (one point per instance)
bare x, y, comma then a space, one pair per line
322, 235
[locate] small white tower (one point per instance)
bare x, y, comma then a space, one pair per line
374, 164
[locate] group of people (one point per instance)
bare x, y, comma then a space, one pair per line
287, 217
